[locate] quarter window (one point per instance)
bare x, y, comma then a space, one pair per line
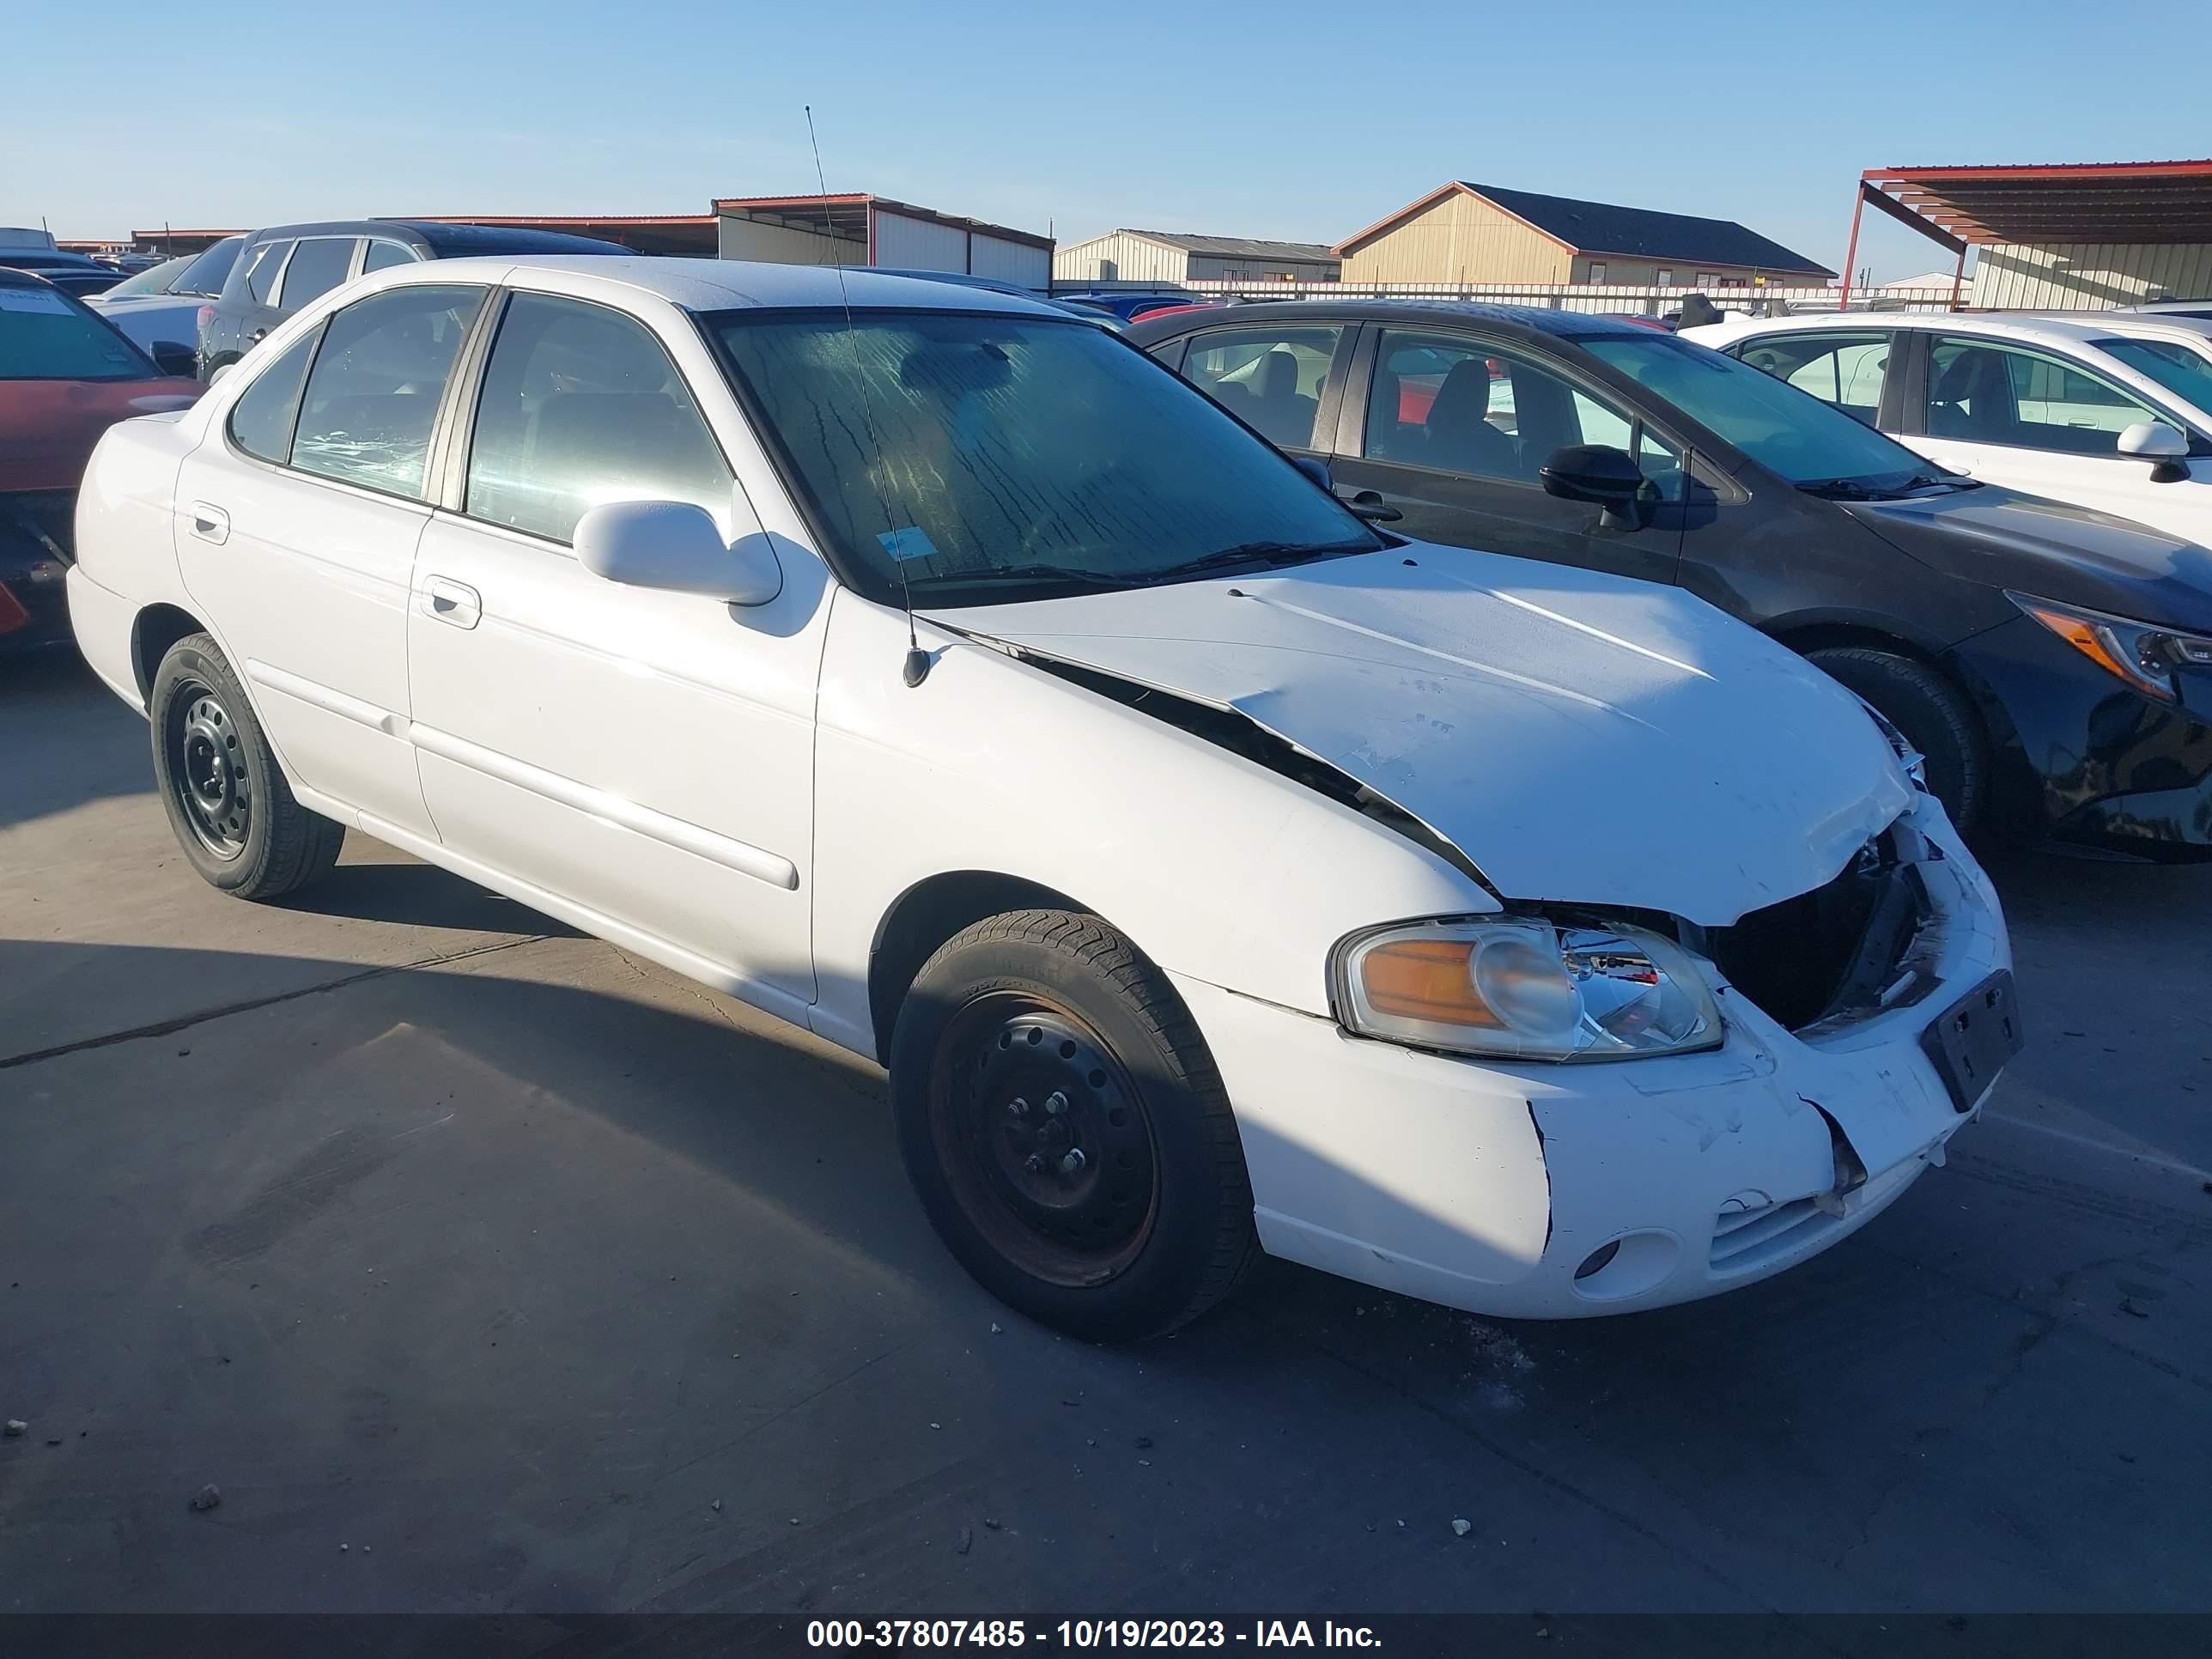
581, 406
1843, 370
1981, 391
261, 275
1270, 378
318, 264
261, 420
382, 254
372, 398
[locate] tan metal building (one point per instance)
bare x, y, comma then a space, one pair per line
2077, 235
1174, 256
1460, 233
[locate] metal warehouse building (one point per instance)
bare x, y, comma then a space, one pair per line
2074, 236
1174, 257
1463, 233
874, 230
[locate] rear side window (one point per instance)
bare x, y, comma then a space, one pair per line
261, 274
1270, 378
372, 398
580, 406
318, 264
1842, 370
261, 420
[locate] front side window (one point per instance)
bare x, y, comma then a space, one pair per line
1006, 455
318, 264
1984, 392
580, 406
46, 336
261, 420
1796, 436
2185, 372
1844, 371
1271, 378
372, 397
1486, 411
261, 274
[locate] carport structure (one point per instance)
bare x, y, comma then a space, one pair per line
2078, 234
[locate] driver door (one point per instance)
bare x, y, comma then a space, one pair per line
1452, 428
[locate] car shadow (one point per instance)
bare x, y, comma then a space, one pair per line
89, 745
405, 892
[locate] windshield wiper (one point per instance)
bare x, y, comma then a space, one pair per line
1842, 489
1001, 574
1949, 481
1272, 554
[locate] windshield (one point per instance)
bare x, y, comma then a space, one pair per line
992, 454
154, 279
45, 336
1785, 430
2184, 373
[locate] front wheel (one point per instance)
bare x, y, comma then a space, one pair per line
1931, 711
1063, 1123
227, 801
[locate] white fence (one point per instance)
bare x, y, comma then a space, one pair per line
1580, 297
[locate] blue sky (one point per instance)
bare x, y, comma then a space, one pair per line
1291, 120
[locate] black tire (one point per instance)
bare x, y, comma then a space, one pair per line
1933, 714
227, 798
1154, 1226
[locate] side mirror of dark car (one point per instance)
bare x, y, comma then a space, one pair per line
175, 357
1315, 468
1592, 472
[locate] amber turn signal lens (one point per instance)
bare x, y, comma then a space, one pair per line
1424, 979
2101, 645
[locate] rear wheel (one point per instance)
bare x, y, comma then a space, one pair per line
1931, 711
227, 801
1062, 1121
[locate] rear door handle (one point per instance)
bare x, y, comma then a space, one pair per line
452, 602
210, 522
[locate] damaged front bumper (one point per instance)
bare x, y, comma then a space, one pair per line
1560, 1191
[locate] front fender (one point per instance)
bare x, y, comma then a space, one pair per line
1218, 868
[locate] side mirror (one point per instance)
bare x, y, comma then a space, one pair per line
1592, 472
175, 357
1315, 468
676, 546
2153, 441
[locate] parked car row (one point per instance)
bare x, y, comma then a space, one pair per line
1216, 869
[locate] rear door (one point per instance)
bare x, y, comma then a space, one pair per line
298, 518
1452, 427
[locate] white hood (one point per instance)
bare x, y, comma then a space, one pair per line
1579, 737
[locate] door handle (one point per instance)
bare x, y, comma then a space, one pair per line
1369, 505
210, 522
452, 602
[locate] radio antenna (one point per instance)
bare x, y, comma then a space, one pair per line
917, 659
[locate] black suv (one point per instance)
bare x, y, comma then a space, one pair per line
282, 269
2054, 664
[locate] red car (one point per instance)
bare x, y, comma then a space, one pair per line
65, 377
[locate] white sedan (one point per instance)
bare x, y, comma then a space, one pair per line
1214, 872
2104, 409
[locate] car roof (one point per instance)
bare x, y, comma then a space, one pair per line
2080, 325
454, 242
1529, 319
734, 284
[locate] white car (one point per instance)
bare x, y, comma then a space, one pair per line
1212, 872
2100, 408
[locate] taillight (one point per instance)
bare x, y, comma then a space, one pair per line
206, 316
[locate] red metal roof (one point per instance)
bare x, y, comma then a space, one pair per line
2072, 202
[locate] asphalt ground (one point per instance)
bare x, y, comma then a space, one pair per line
481, 1268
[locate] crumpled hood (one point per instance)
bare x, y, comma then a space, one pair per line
1579, 737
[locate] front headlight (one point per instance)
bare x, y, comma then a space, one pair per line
1523, 988
2141, 653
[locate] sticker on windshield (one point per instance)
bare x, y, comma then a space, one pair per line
31, 299
911, 543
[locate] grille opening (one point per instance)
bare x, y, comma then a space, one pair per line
1831, 952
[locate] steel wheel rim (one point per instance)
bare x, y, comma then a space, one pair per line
208, 776
1044, 1138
